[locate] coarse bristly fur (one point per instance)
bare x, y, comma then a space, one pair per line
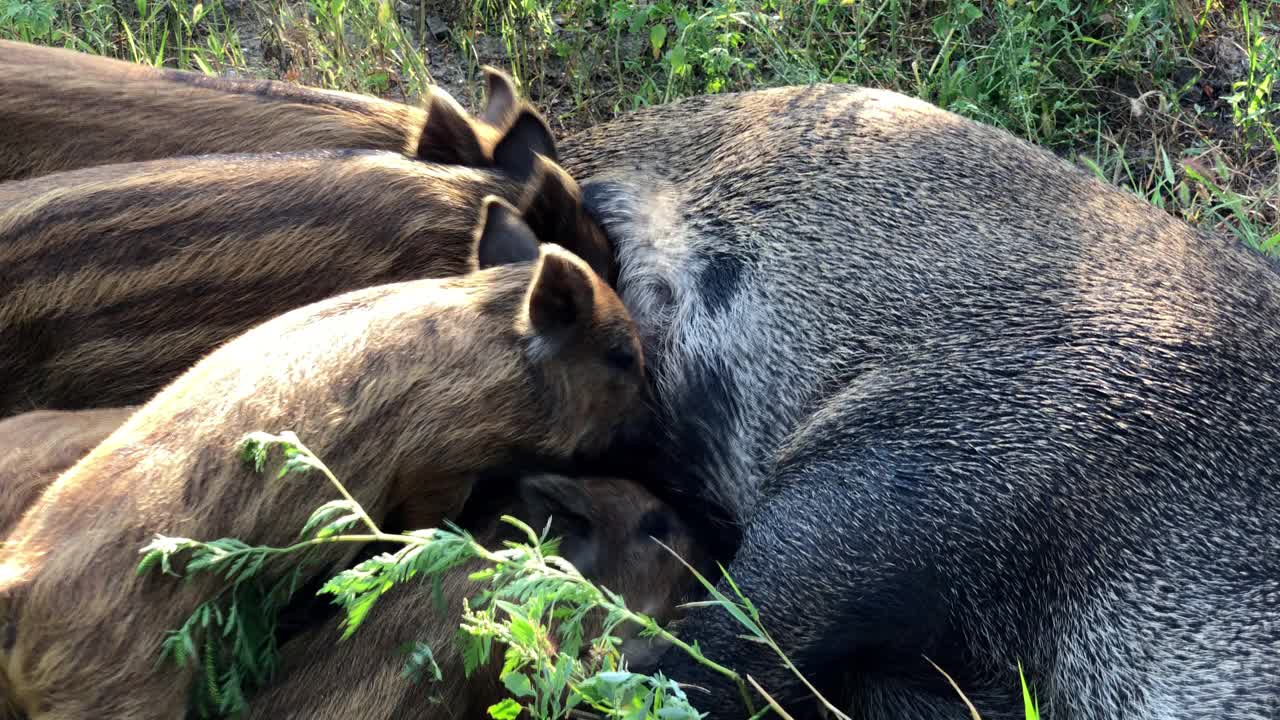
36, 447
963, 401
607, 526
61, 110
115, 279
406, 390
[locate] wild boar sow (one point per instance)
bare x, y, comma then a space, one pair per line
62, 110
963, 402
406, 390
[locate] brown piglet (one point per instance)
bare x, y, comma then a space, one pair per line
115, 279
36, 447
607, 526
405, 390
63, 110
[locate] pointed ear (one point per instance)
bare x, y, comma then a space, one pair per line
562, 297
502, 237
552, 206
527, 138
550, 202
555, 495
450, 135
500, 97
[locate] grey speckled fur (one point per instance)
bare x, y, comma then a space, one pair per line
963, 401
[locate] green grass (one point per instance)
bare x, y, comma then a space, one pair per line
354, 45
172, 32
1171, 99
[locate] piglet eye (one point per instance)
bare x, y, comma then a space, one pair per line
620, 359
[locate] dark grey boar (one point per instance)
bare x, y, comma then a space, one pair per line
963, 400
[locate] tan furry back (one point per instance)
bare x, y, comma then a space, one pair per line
115, 279
38, 446
61, 110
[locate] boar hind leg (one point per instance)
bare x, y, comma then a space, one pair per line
833, 596
859, 560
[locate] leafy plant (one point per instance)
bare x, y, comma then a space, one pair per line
1126, 85
534, 604
532, 598
26, 20
353, 45
1252, 102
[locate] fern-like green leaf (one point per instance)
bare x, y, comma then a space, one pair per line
508, 709
323, 514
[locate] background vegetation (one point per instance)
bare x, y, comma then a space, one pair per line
1171, 99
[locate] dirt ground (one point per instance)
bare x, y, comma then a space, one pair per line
449, 68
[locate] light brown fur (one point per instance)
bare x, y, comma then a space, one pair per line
61, 110
612, 521
115, 279
403, 389
37, 447
605, 524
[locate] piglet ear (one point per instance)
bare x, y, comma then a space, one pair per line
563, 295
500, 97
552, 206
502, 237
517, 152
563, 501
555, 495
450, 135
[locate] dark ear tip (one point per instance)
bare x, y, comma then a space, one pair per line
445, 113
563, 292
555, 176
557, 256
531, 121
502, 236
449, 135
526, 137
570, 270
491, 201
500, 101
